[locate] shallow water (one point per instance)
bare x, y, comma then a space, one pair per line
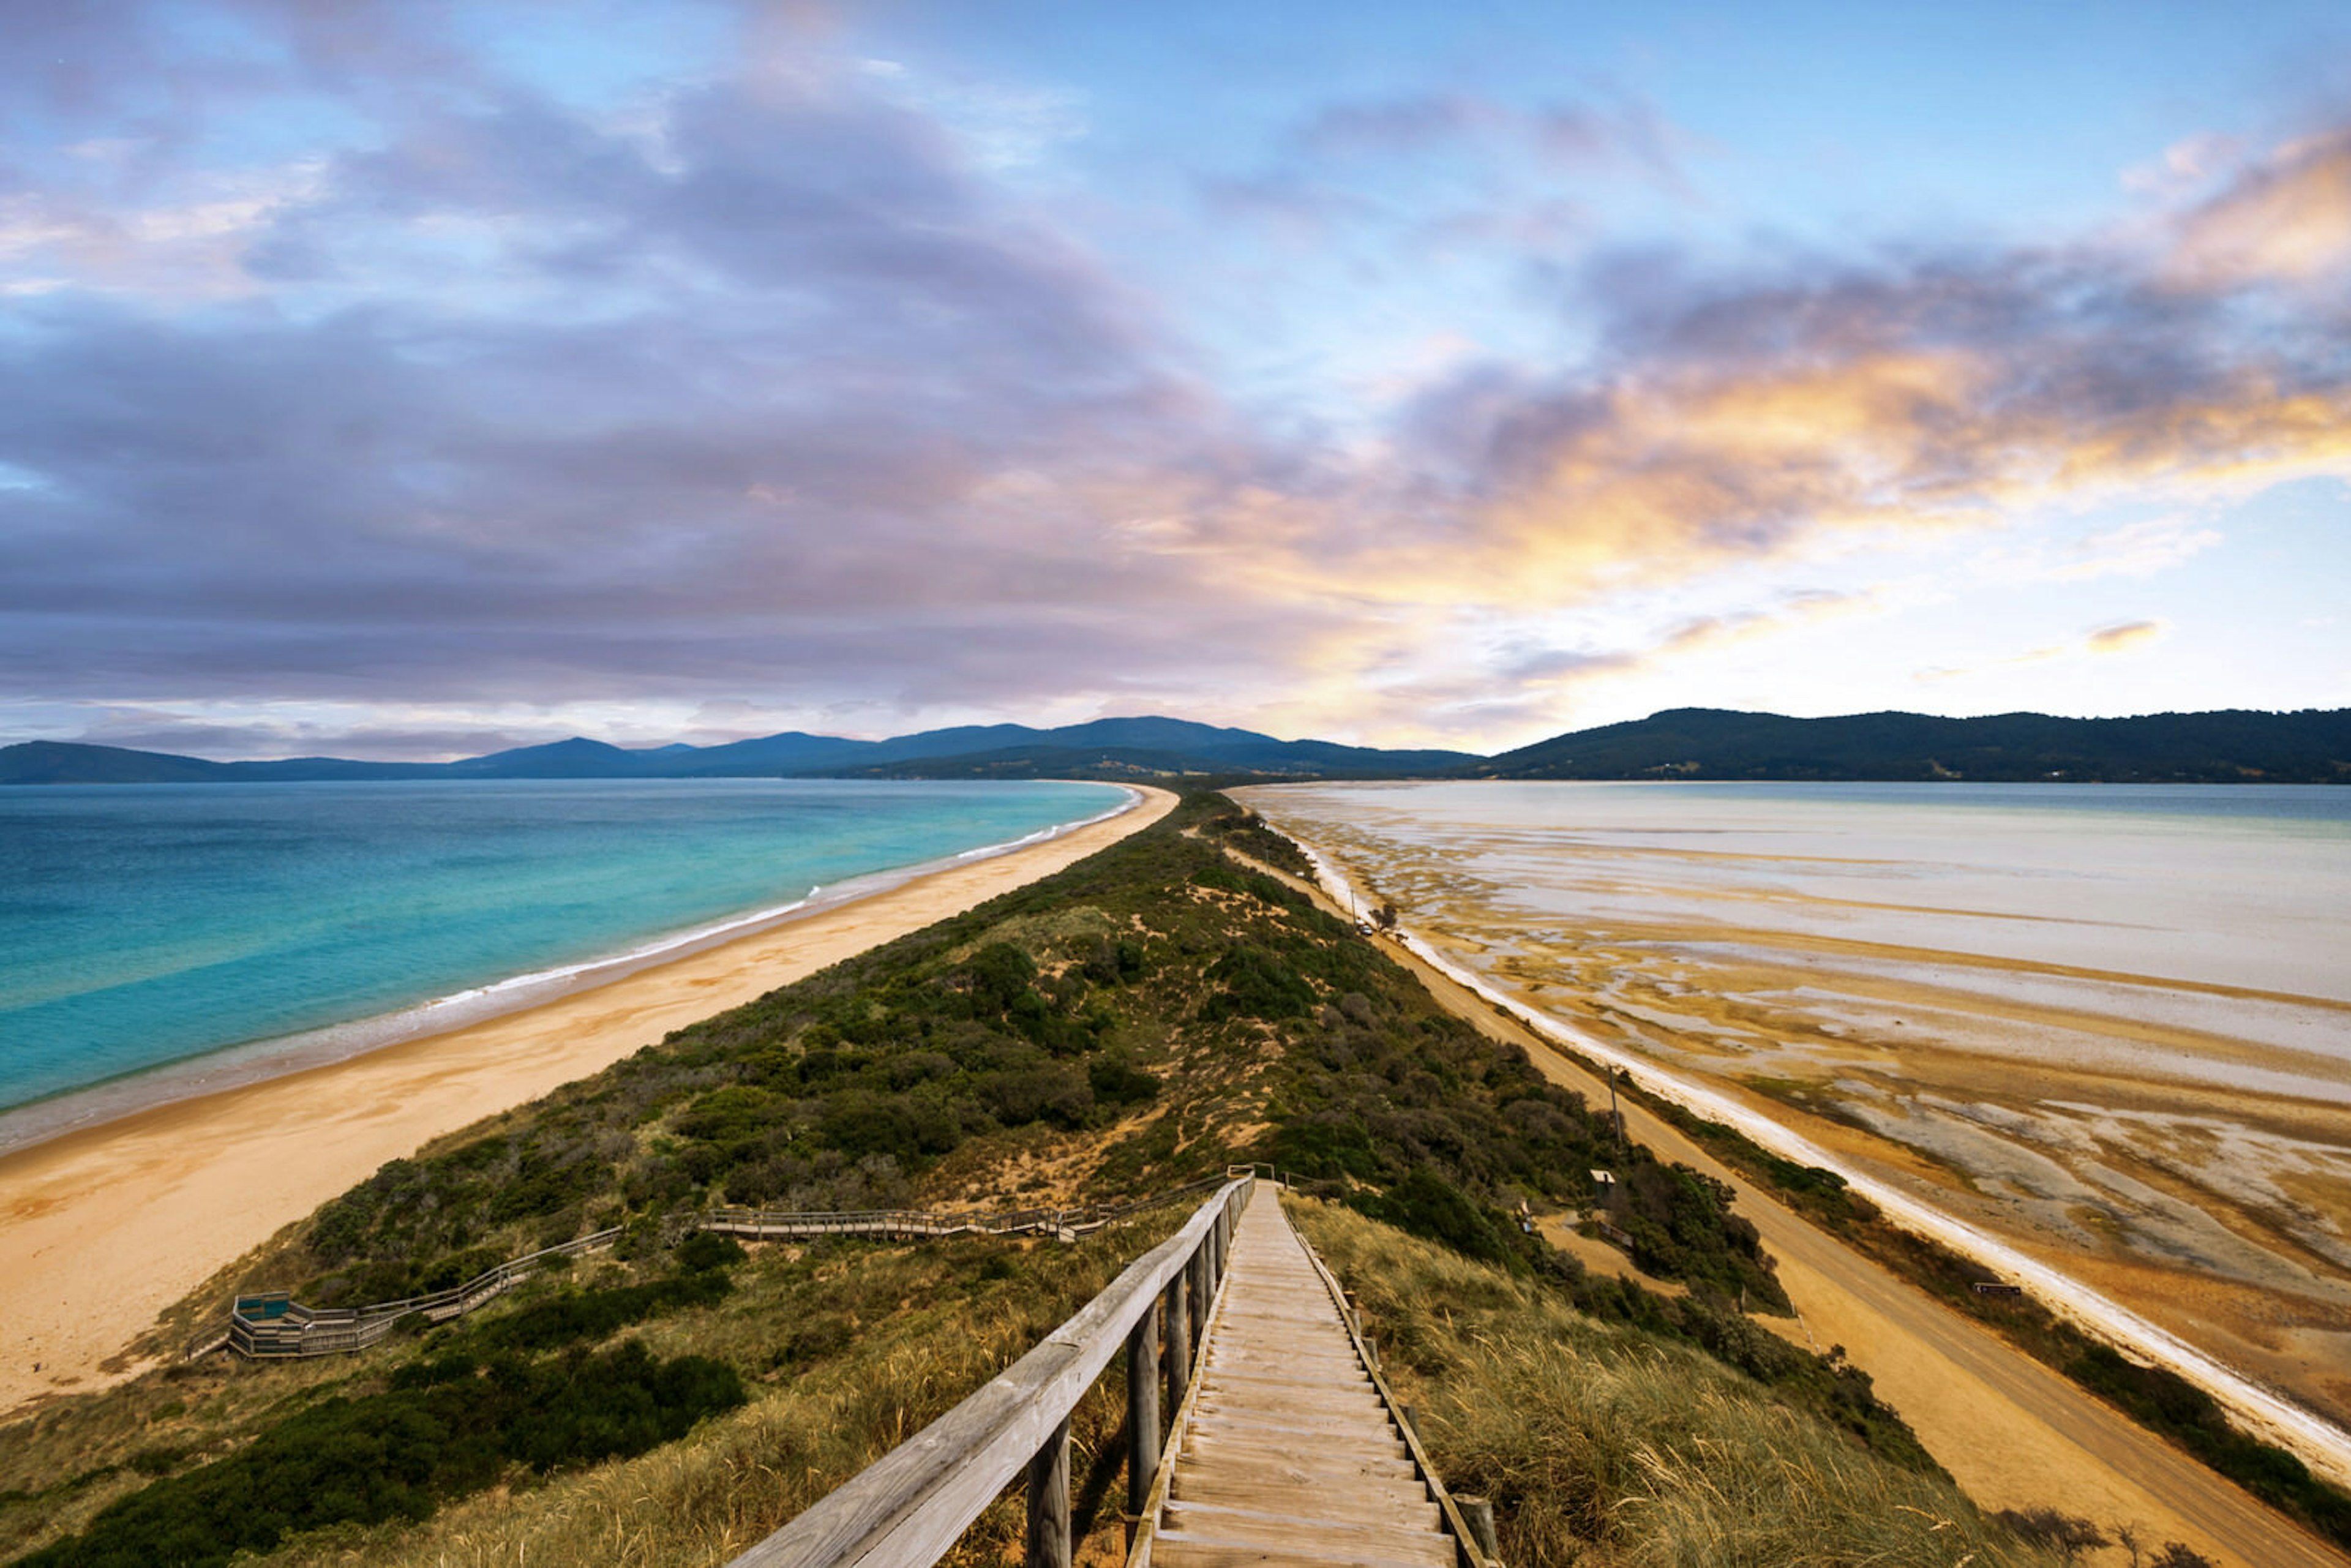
144, 925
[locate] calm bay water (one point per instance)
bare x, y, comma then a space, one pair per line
146, 924
2230, 885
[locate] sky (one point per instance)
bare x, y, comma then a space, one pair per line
396, 379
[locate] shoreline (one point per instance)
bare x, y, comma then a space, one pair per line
2271, 1414
35, 1122
104, 1226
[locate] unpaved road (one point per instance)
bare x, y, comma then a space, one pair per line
2014, 1432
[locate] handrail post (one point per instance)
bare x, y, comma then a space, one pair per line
1203, 1292
1049, 1501
1479, 1513
1179, 1337
1142, 1414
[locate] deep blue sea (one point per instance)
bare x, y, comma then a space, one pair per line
146, 924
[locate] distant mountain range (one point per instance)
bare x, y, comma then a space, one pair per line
2230, 747
1108, 748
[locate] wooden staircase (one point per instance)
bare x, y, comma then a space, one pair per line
1285, 1452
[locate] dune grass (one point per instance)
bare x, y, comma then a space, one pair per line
1601, 1446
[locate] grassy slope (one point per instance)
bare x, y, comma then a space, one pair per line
1601, 1445
1121, 1028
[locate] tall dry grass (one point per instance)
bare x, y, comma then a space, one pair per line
1600, 1446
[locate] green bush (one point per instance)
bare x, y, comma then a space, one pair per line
443, 1430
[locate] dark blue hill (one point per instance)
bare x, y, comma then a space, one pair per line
2229, 747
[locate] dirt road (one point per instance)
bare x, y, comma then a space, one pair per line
2014, 1432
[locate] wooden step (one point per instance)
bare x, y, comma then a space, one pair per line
1310, 1535
1183, 1550
1371, 1502
1288, 1455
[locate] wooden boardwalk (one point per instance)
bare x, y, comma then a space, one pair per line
1285, 1452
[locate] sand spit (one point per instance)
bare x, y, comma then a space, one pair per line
2324, 1446
104, 1228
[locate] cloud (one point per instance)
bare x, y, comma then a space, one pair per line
1403, 124
1579, 134
2286, 218
1691, 634
788, 394
2184, 165
2118, 638
2138, 549
2125, 635
1749, 415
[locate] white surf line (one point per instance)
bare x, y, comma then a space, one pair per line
2269, 1415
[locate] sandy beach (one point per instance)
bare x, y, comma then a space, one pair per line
104, 1228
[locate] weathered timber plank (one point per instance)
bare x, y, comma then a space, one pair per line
1185, 1550
1278, 1434
1282, 1427
1271, 1529
1262, 1466
1272, 1494
1293, 1469
1251, 1377
1288, 1455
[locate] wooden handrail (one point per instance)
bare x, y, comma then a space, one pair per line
339, 1331
910, 1507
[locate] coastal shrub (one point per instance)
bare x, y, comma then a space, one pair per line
2178, 1408
2063, 1533
575, 1316
447, 1429
1253, 981
1681, 1226
1425, 1204
1116, 1080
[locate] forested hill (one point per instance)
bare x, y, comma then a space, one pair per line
1103, 748
2231, 747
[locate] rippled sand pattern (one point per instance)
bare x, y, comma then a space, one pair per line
2114, 1028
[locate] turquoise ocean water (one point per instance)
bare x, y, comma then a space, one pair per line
142, 926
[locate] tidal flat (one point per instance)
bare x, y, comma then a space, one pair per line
2110, 1025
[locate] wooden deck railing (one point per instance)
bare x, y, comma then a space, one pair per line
910, 1507
272, 1325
